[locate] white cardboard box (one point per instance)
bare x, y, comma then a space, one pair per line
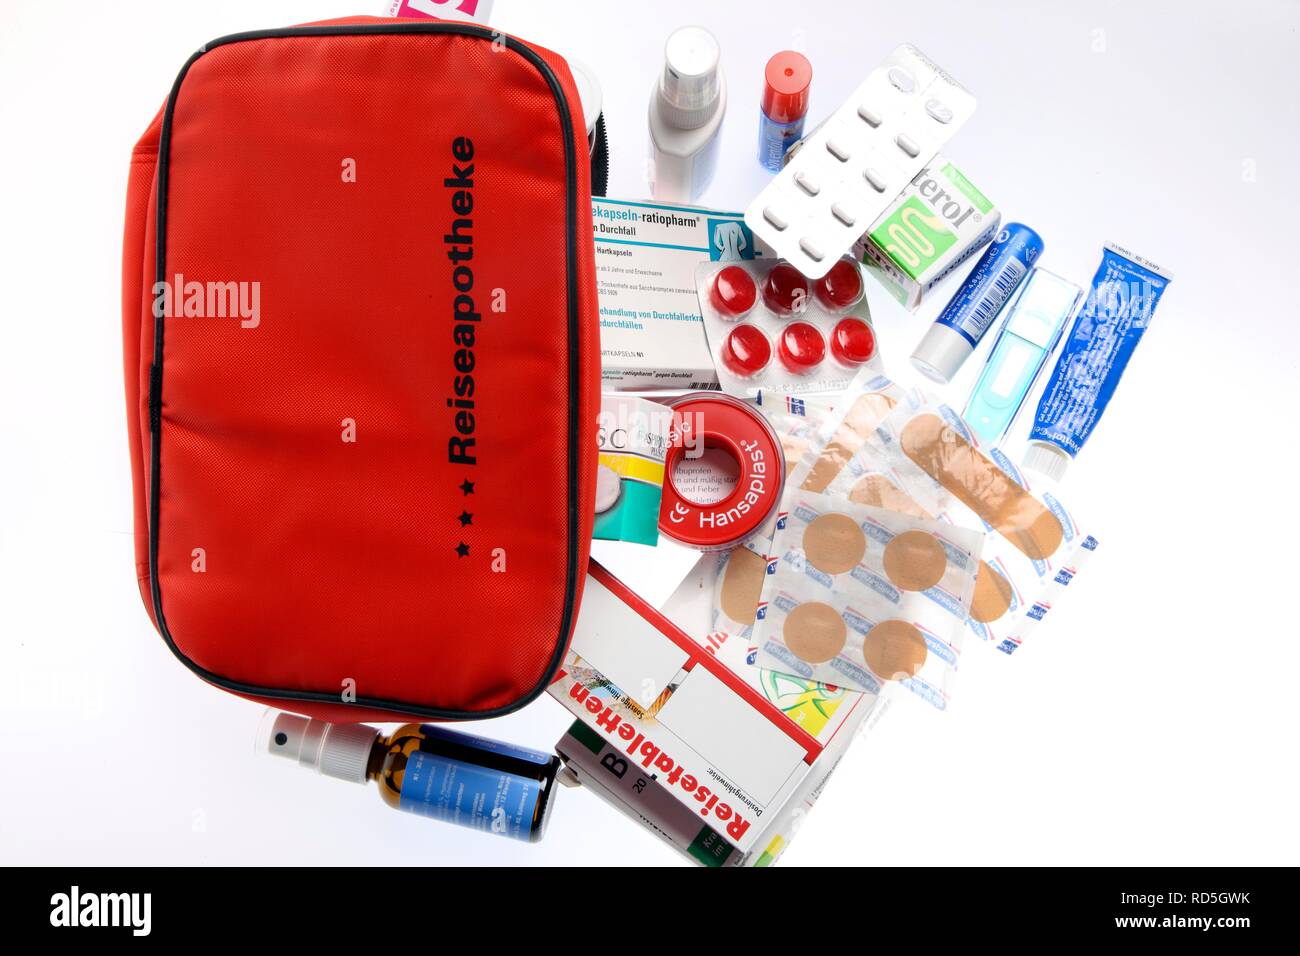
687, 720
651, 332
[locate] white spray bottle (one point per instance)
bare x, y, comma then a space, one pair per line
686, 110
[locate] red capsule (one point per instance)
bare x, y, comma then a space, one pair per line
785, 290
841, 287
733, 293
852, 342
802, 347
746, 352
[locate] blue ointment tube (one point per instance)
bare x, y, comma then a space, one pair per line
1119, 307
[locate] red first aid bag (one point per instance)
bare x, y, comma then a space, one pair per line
362, 370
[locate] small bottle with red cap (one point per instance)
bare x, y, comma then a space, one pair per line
783, 107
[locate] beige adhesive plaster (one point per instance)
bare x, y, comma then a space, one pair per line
894, 650
814, 632
992, 595
834, 543
982, 486
742, 584
915, 560
862, 418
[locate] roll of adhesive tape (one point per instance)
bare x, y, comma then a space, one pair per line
710, 421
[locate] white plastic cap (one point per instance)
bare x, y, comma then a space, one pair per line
940, 353
689, 86
1046, 459
335, 750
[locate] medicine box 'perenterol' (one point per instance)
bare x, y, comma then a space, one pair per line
938, 222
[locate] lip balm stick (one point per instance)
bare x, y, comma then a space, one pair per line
976, 305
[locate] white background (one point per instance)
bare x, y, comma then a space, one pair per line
1153, 721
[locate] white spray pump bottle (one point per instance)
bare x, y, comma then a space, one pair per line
686, 110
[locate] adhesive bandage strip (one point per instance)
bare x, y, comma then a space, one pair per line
947, 457
863, 406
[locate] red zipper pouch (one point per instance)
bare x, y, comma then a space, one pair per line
362, 370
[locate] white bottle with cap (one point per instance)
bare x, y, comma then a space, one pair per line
686, 110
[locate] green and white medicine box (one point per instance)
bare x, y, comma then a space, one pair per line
938, 222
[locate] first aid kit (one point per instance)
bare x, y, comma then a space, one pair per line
369, 307
338, 376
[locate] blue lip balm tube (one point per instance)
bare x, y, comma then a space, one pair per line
976, 305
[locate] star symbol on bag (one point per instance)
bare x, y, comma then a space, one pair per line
466, 518
462, 550
467, 487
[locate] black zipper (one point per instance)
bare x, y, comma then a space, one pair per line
600, 159
575, 379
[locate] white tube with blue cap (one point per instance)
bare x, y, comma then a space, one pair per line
1032, 328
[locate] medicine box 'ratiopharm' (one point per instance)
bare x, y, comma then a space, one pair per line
938, 222
651, 332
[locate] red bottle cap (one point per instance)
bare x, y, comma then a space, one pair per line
733, 292
746, 351
785, 86
802, 347
785, 290
841, 287
852, 342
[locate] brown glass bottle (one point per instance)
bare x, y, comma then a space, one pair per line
430, 770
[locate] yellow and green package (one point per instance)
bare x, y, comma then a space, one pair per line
633, 437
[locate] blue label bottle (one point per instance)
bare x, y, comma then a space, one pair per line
429, 770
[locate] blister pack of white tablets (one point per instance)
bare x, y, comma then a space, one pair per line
857, 162
859, 596
770, 329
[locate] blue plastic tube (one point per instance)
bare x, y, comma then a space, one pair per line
1119, 307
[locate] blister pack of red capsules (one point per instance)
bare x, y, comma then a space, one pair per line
771, 328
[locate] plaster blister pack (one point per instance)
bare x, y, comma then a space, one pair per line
924, 458
861, 596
